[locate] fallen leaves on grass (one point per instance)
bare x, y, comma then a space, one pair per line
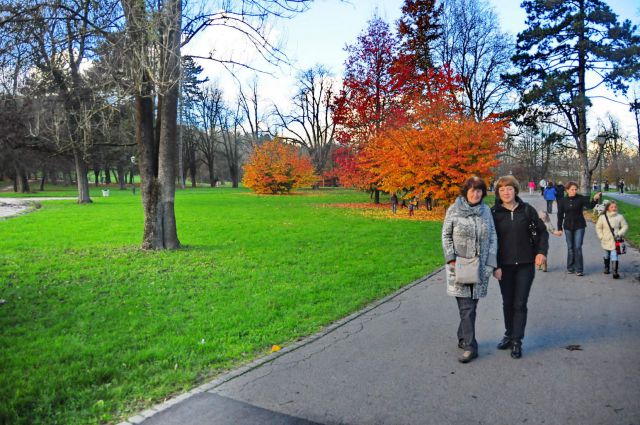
383, 211
275, 348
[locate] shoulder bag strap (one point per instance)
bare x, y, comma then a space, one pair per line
609, 224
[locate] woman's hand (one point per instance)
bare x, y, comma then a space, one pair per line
597, 196
540, 259
558, 233
497, 273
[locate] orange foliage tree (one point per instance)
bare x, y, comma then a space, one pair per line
435, 154
276, 167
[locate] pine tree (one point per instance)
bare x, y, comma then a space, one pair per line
566, 43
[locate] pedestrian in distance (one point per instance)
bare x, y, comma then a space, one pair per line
532, 187
611, 226
572, 223
543, 185
470, 248
428, 202
523, 242
550, 194
559, 191
546, 219
411, 207
394, 203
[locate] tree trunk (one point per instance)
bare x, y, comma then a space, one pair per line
44, 178
107, 174
66, 176
122, 176
233, 173
21, 184
96, 173
81, 178
157, 149
212, 179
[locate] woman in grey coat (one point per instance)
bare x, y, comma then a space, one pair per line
468, 231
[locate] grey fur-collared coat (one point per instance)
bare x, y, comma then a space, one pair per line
467, 230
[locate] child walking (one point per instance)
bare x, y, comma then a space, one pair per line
611, 225
544, 216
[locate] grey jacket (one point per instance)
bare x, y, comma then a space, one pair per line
466, 231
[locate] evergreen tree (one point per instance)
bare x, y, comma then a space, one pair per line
419, 28
566, 44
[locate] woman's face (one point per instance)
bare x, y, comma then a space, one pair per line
474, 195
507, 194
613, 208
572, 191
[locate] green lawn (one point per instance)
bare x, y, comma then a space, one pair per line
94, 330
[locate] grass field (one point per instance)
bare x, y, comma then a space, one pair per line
93, 329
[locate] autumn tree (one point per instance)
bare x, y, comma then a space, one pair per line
437, 150
277, 168
568, 50
378, 83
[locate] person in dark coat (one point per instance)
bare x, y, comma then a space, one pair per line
519, 251
572, 223
559, 191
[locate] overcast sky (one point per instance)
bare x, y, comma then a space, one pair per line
319, 35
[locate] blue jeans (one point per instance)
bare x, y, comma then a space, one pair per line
613, 255
574, 249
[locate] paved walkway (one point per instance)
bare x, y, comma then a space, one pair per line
10, 207
395, 362
629, 198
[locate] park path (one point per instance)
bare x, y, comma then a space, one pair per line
10, 207
395, 361
629, 198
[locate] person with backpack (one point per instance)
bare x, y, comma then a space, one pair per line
611, 227
550, 193
572, 223
523, 242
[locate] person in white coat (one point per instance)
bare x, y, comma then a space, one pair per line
610, 225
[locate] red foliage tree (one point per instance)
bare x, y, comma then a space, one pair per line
377, 85
434, 155
276, 168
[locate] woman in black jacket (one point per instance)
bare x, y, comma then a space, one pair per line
522, 241
571, 221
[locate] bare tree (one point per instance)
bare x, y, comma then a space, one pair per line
208, 108
154, 36
233, 141
253, 121
473, 45
310, 123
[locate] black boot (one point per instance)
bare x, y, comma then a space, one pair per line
607, 262
505, 343
516, 349
614, 264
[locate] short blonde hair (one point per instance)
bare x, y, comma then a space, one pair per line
508, 181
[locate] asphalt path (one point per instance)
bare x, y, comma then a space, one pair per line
10, 207
396, 361
629, 198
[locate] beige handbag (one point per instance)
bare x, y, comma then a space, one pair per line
467, 270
